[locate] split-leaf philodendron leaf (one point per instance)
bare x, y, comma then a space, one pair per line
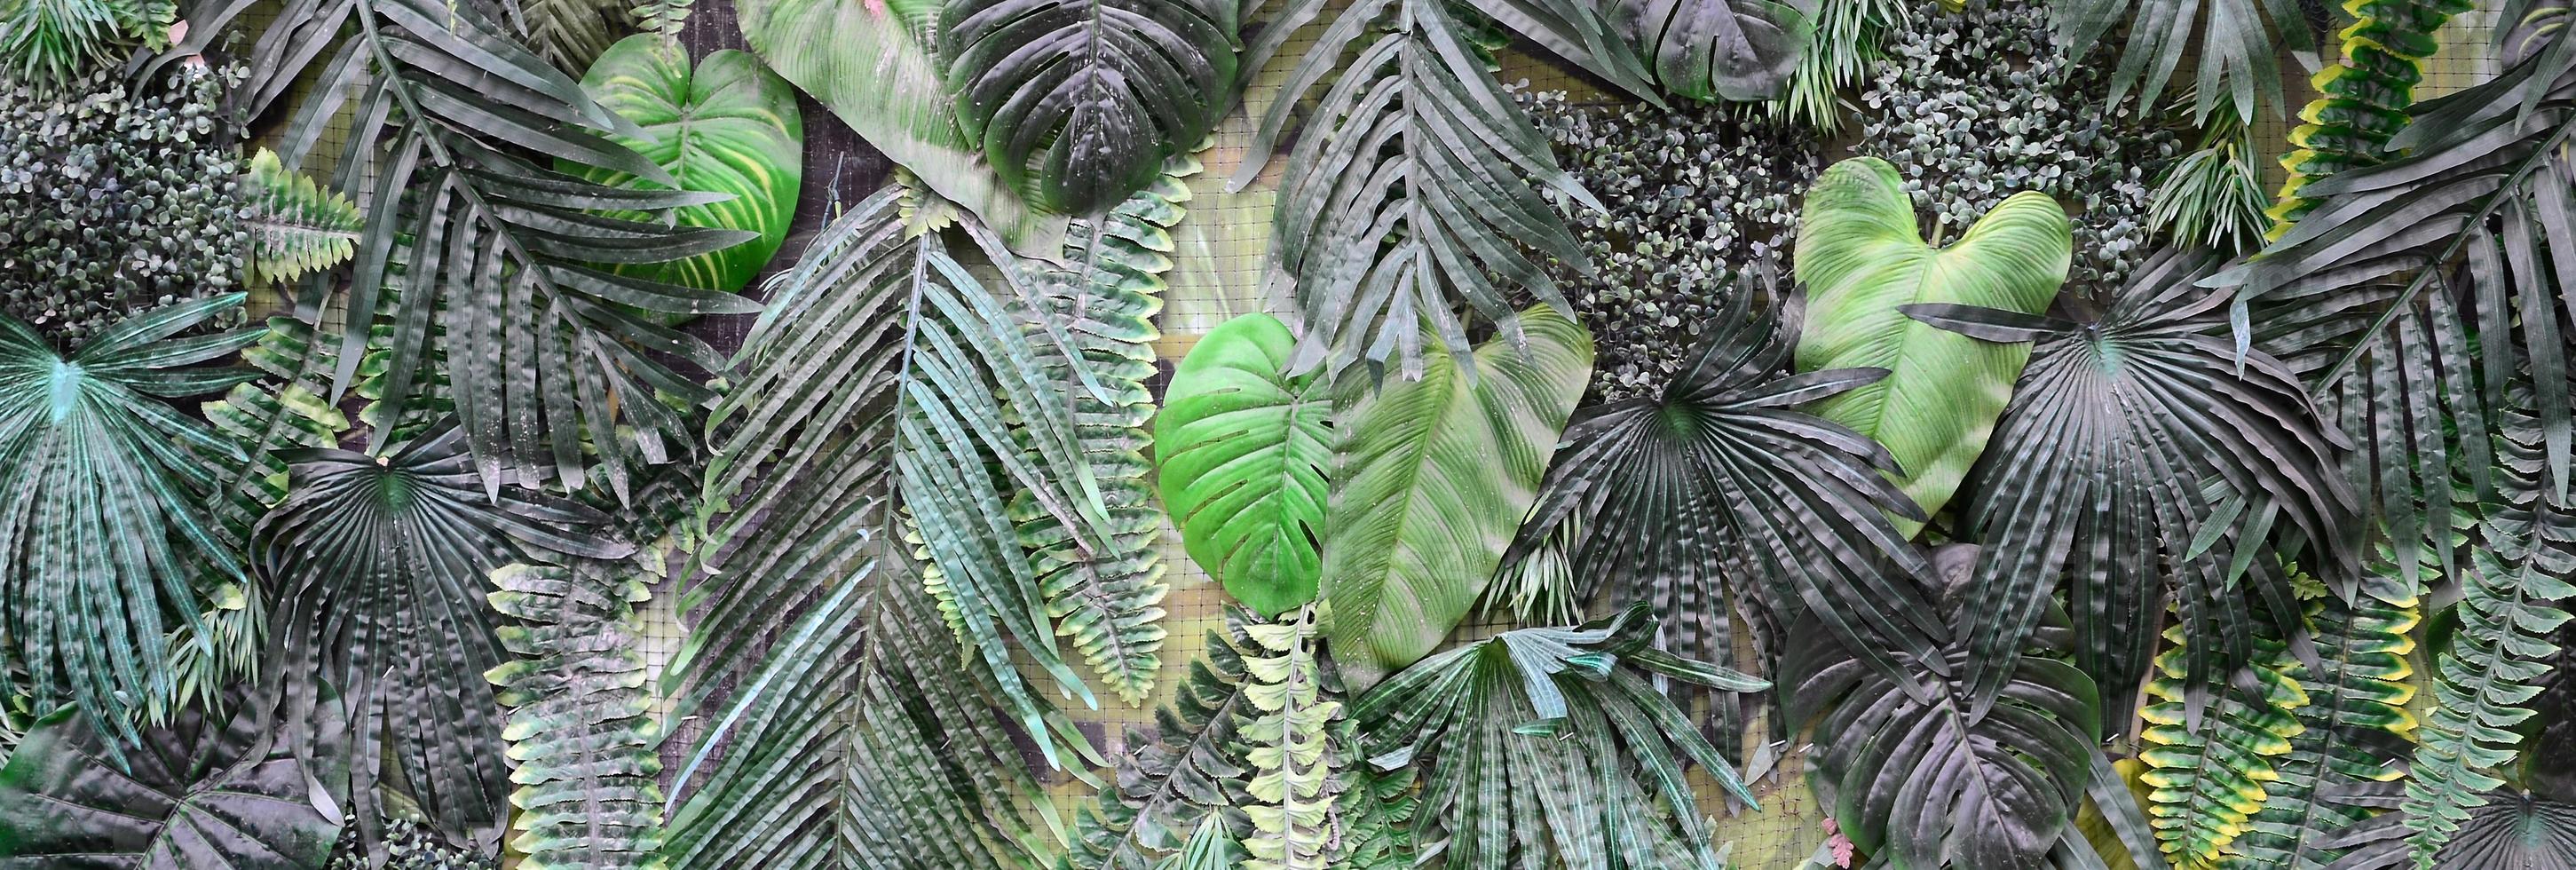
1243, 448
1862, 257
725, 125
1431, 477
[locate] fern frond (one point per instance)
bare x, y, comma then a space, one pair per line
586, 795
2512, 596
1108, 604
571, 34
1296, 771
295, 226
2362, 99
2209, 780
1173, 780
2357, 730
666, 17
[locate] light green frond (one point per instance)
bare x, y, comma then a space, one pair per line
586, 795
296, 227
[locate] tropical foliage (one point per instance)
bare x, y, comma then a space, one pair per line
468, 434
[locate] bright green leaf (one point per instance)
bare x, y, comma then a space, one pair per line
1243, 450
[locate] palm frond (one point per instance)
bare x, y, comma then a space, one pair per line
1914, 779
380, 564
1719, 49
884, 374
570, 34
1546, 745
587, 795
2209, 781
2237, 48
110, 546
1722, 498
51, 44
1104, 301
541, 349
296, 226
1081, 101
2513, 598
862, 737
2139, 461
1416, 182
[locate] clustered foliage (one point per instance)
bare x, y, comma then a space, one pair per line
1974, 106
120, 198
1692, 195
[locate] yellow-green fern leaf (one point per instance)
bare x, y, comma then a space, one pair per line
2209, 781
295, 226
2361, 100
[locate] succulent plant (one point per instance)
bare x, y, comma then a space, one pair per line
115, 198
1975, 106
1695, 195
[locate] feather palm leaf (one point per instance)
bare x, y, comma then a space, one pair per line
542, 350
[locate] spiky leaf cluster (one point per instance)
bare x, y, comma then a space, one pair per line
1975, 106
1693, 195
116, 200
53, 44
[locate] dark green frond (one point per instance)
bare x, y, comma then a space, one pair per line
1914, 779
1185, 773
570, 34
1547, 745
2235, 52
1416, 183
380, 564
884, 373
587, 796
556, 369
2134, 437
111, 548
1722, 497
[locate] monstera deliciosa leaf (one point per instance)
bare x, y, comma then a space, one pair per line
725, 125
200, 793
1917, 780
1719, 49
1244, 448
1080, 101
1862, 257
872, 63
1430, 479
381, 565
107, 519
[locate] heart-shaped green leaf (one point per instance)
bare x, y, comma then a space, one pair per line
727, 125
1243, 449
1862, 258
1430, 479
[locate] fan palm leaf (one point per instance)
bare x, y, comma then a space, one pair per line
109, 520
1721, 498
380, 562
2134, 432
1552, 746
